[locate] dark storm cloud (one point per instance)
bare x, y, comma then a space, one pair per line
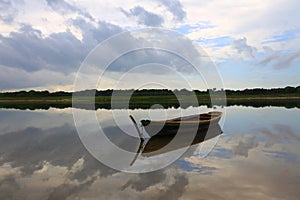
64, 7
175, 7
144, 17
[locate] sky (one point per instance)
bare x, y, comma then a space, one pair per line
252, 43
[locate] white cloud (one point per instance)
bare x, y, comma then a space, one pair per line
77, 26
175, 7
243, 48
143, 16
17, 79
255, 20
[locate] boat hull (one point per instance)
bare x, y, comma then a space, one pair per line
191, 123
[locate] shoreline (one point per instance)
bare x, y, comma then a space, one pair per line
262, 98
34, 100
70, 100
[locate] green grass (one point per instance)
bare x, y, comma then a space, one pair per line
145, 103
139, 99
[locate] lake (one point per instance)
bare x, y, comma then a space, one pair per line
257, 156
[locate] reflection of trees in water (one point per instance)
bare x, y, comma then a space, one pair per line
287, 103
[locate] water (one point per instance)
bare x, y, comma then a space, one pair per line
256, 157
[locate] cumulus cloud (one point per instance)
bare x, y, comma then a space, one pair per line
64, 191
72, 29
279, 133
8, 12
287, 156
243, 48
61, 54
143, 50
275, 59
144, 17
64, 7
176, 190
245, 146
175, 7
142, 182
278, 60
54, 80
28, 49
8, 187
158, 179
93, 34
39, 160
63, 148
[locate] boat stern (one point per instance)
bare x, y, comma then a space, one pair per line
145, 122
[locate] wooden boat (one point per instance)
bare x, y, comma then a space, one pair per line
181, 124
206, 124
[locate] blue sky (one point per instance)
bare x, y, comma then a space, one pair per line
252, 43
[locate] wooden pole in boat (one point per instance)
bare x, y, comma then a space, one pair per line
137, 128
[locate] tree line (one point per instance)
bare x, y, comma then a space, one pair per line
153, 92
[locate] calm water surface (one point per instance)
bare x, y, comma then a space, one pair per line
256, 157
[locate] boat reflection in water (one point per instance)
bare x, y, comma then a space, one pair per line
162, 144
166, 142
